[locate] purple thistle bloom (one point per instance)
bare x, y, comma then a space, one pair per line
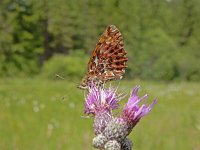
132, 112
111, 131
99, 102
100, 99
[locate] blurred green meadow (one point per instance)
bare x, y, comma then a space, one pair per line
48, 114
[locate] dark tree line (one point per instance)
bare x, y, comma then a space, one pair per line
161, 36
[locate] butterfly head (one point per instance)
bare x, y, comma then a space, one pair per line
84, 83
83, 86
88, 82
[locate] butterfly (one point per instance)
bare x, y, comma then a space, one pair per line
108, 59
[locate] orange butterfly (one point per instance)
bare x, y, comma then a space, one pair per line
108, 59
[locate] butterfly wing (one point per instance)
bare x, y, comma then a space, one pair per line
108, 59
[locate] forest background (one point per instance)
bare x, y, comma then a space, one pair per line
161, 37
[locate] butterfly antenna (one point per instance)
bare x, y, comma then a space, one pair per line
58, 76
73, 82
61, 77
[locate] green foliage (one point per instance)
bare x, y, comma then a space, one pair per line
188, 65
19, 41
157, 56
67, 66
160, 36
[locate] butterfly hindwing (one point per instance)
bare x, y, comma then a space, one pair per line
108, 59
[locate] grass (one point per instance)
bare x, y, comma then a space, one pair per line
46, 115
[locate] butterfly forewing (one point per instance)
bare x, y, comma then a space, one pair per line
108, 59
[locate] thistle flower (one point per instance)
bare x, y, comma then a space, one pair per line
99, 103
111, 132
132, 112
100, 99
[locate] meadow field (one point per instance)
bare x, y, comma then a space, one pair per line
38, 114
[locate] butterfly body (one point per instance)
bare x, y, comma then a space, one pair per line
108, 59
